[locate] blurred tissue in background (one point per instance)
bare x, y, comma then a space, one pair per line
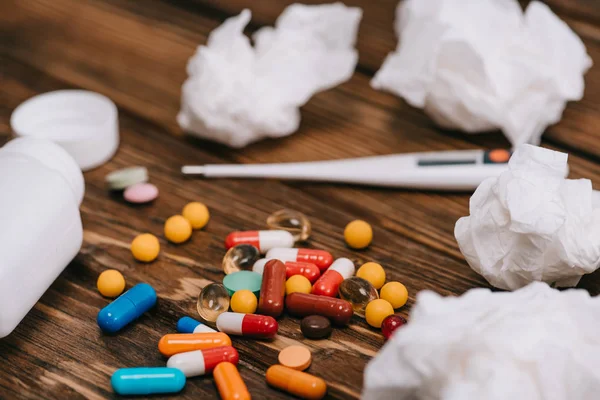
535, 343
237, 94
480, 65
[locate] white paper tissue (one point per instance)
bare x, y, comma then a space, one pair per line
237, 94
533, 344
531, 224
481, 65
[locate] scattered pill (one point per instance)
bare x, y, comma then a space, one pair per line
190, 325
243, 280
373, 273
376, 312
213, 300
315, 327
126, 308
329, 283
294, 222
248, 325
358, 292
358, 234
272, 290
111, 283
197, 214
230, 383
395, 293
141, 193
308, 270
337, 310
297, 383
175, 343
320, 258
177, 229
123, 178
145, 381
390, 324
244, 301
240, 258
262, 240
297, 284
145, 247
295, 357
202, 362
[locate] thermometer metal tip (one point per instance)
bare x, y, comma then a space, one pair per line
193, 170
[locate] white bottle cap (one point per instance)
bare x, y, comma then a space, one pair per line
53, 157
84, 123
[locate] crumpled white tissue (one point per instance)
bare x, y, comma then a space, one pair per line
482, 65
533, 344
237, 94
531, 224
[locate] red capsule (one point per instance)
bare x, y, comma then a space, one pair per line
272, 290
337, 310
249, 325
262, 240
320, 258
308, 270
329, 283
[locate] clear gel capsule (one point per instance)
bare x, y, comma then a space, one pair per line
240, 258
292, 221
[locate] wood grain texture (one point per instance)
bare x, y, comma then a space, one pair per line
136, 54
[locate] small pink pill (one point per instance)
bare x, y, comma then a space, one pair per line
141, 193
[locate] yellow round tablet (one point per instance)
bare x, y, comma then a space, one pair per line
373, 273
111, 283
358, 234
376, 312
243, 301
145, 247
295, 357
298, 284
197, 213
178, 229
395, 293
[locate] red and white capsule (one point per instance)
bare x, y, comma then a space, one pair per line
329, 283
262, 240
320, 258
202, 362
249, 325
308, 270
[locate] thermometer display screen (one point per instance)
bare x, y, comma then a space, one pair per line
497, 156
430, 162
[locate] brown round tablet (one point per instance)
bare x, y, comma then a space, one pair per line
295, 357
315, 327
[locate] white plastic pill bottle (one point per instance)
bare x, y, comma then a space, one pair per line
41, 188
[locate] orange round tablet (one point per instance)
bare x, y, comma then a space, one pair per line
295, 357
499, 155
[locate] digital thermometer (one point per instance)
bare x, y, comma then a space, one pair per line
445, 170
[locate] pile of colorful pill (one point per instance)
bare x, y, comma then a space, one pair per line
255, 291
133, 182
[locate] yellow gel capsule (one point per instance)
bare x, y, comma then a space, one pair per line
111, 283
395, 293
178, 229
145, 247
376, 312
243, 301
372, 272
298, 284
358, 234
197, 214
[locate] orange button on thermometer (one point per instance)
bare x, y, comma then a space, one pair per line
175, 343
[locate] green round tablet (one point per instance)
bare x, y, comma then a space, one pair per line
243, 280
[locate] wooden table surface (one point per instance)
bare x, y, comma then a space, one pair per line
135, 52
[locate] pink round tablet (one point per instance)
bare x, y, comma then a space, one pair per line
141, 193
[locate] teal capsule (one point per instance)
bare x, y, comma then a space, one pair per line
127, 381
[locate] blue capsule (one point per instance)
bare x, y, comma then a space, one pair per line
190, 325
147, 380
126, 308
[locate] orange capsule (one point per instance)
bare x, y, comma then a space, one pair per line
175, 343
297, 383
229, 382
